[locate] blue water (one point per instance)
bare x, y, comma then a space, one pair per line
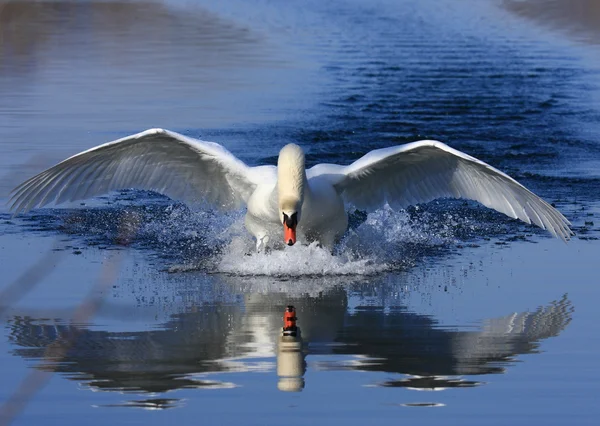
132, 308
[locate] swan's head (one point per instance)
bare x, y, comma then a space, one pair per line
289, 213
291, 178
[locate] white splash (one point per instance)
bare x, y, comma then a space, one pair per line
385, 241
239, 258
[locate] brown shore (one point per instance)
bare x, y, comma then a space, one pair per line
579, 18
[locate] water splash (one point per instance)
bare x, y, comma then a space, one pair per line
385, 240
215, 242
298, 260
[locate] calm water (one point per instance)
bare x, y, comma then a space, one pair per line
446, 312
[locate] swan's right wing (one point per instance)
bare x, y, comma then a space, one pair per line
422, 171
158, 160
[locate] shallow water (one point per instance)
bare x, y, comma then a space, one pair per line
443, 312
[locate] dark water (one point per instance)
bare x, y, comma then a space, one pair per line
445, 312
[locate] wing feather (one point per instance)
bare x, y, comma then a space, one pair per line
422, 171
159, 160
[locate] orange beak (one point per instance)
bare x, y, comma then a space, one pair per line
289, 234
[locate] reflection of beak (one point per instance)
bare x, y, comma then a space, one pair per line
289, 234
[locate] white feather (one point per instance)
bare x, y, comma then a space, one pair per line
422, 171
159, 160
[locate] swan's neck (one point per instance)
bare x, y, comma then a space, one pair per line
291, 178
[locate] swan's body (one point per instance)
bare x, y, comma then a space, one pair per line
311, 202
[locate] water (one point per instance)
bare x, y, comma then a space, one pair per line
148, 311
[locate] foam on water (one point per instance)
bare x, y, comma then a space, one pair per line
294, 261
218, 243
386, 240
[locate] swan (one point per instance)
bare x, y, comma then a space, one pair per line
308, 203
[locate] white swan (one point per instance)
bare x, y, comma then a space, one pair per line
309, 202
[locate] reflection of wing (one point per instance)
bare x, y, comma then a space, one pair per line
407, 343
511, 335
149, 361
546, 321
422, 171
158, 160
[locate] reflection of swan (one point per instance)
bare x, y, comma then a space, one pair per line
291, 364
223, 338
288, 195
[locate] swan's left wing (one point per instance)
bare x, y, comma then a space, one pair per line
159, 160
422, 171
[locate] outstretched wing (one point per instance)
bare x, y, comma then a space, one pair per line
158, 160
422, 171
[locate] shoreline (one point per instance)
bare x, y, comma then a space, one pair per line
579, 19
